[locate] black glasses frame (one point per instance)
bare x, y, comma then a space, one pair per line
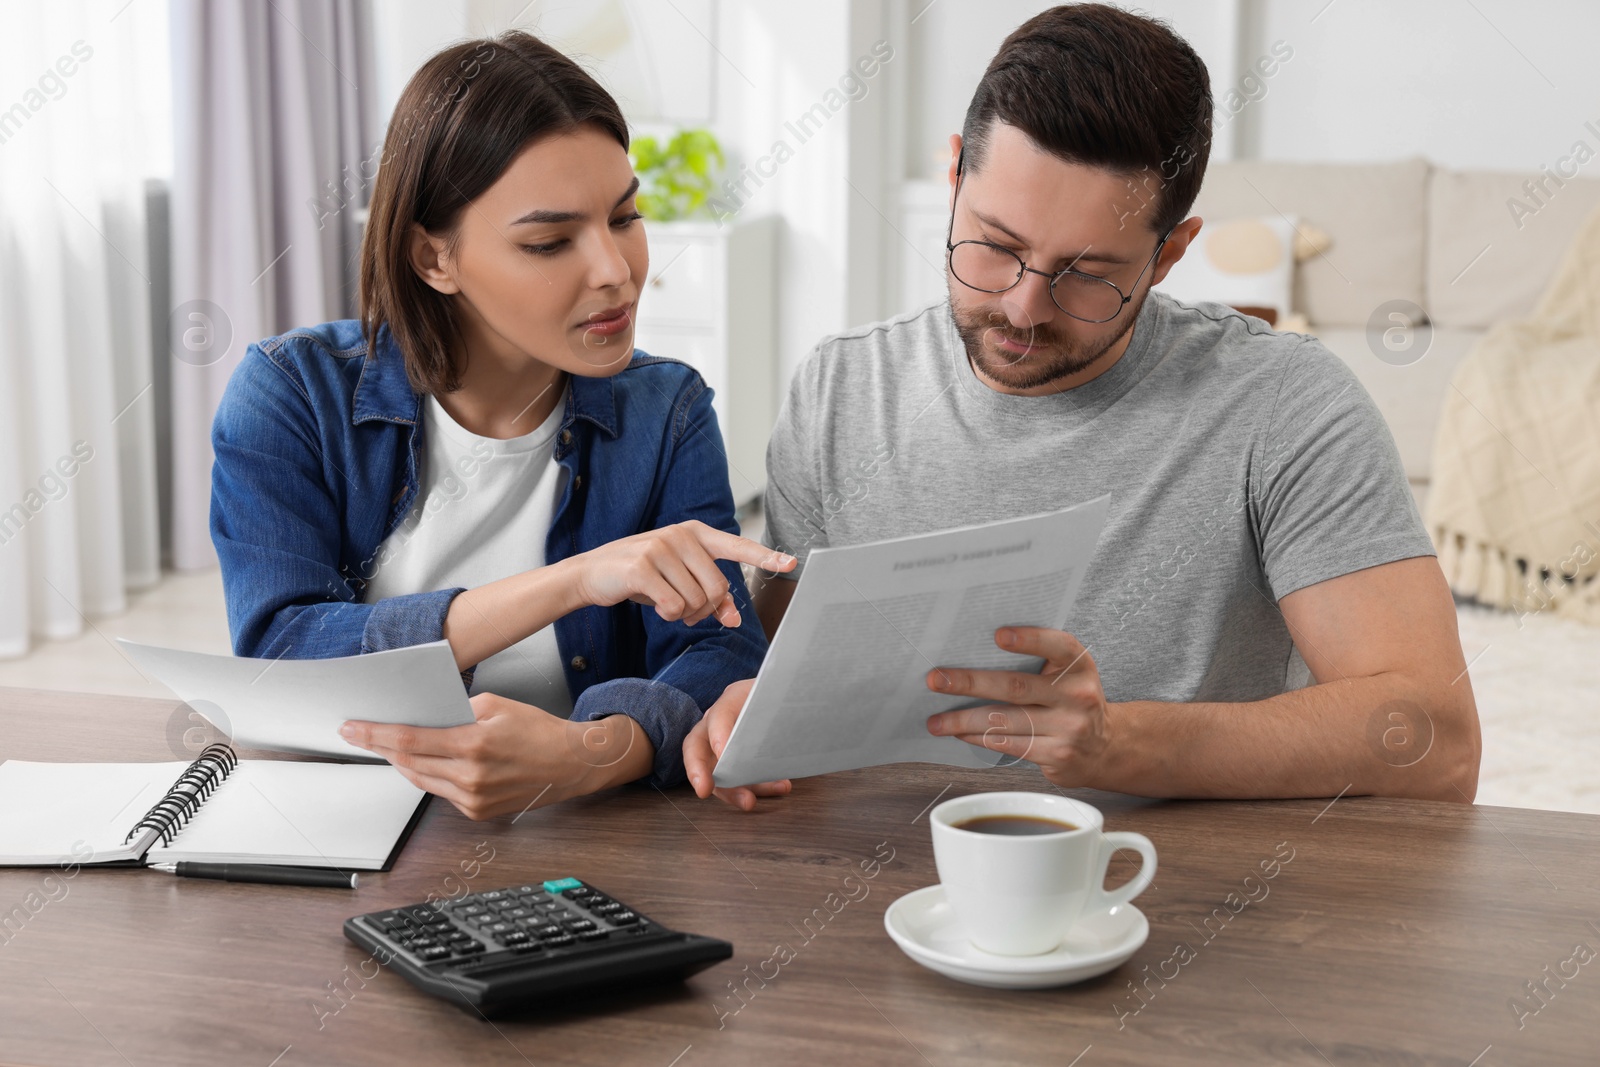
1023, 268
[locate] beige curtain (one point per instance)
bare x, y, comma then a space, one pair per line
270, 137
82, 128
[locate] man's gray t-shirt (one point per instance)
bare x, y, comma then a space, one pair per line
1242, 465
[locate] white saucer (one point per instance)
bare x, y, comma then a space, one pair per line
925, 928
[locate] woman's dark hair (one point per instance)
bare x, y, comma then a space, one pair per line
462, 119
1095, 85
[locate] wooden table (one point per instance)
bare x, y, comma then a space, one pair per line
1396, 933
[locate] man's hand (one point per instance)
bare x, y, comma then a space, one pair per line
705, 743
1056, 718
514, 757
1391, 712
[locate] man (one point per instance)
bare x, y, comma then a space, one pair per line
1260, 528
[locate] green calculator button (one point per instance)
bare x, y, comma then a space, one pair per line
561, 883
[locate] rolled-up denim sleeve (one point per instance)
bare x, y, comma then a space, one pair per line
704, 659
664, 713
688, 667
412, 619
400, 621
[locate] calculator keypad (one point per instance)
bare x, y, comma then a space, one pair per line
563, 915
529, 946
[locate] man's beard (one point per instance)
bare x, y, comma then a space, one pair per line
1059, 358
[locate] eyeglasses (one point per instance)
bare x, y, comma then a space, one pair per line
990, 268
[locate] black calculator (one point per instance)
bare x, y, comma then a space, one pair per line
514, 948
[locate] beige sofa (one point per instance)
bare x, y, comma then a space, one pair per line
1445, 240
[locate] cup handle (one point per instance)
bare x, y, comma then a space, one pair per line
1110, 843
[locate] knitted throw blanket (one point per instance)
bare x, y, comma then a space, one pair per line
1514, 504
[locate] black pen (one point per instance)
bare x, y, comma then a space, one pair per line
260, 872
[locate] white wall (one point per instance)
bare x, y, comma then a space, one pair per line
1465, 85
788, 57
404, 34
952, 42
1495, 84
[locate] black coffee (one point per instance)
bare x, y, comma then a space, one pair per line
1015, 825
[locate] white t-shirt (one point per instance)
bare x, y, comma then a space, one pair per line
482, 513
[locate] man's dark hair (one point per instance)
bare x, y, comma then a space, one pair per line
461, 120
1097, 86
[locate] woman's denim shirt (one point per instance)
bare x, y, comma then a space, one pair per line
318, 448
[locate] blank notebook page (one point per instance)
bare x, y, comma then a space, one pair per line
46, 809
305, 814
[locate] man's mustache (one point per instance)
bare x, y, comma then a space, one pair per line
996, 323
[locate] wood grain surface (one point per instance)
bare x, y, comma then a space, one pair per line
1394, 932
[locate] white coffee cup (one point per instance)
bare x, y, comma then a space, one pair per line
1020, 895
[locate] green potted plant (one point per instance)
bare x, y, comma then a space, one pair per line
676, 177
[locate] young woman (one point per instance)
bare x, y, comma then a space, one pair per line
483, 457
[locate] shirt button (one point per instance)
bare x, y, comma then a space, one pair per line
566, 437
578, 663
577, 482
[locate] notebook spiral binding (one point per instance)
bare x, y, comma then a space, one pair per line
198, 781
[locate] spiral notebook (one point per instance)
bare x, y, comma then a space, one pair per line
217, 809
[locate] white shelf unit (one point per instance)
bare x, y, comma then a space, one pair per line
709, 302
924, 220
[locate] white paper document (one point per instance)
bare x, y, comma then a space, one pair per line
844, 683
298, 705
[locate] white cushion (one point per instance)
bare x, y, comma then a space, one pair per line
1241, 262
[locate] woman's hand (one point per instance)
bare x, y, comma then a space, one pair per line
514, 757
673, 569
705, 743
